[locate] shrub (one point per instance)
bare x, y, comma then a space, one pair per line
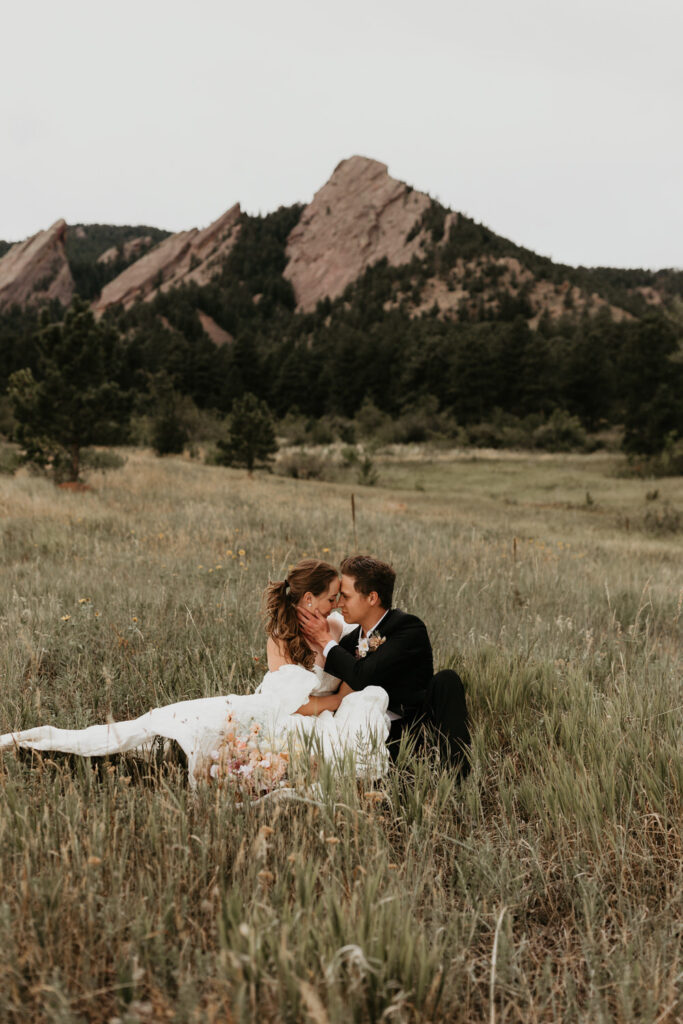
7, 420
349, 456
560, 433
169, 433
370, 420
293, 428
302, 466
102, 459
10, 459
367, 474
669, 462
662, 520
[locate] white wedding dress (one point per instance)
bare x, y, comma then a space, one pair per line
360, 724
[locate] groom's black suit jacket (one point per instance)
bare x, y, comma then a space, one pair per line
402, 665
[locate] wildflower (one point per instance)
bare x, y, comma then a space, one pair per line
135, 618
97, 615
241, 552
326, 551
219, 566
200, 566
229, 551
83, 600
243, 565
65, 618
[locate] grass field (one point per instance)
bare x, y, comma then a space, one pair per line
548, 887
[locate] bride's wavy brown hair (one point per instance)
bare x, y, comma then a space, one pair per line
281, 598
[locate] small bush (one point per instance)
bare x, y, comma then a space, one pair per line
367, 474
293, 428
169, 434
560, 433
371, 421
660, 521
102, 459
7, 421
349, 456
301, 466
669, 462
10, 459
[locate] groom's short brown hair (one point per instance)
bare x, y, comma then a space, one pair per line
370, 574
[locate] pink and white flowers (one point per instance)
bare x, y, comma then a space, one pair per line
247, 761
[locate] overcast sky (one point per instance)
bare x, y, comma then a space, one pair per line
557, 124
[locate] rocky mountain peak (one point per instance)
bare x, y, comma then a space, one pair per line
192, 255
361, 215
37, 270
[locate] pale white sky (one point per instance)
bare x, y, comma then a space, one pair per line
555, 123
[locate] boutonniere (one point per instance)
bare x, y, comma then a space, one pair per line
368, 644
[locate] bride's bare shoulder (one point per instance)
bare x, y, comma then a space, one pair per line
276, 654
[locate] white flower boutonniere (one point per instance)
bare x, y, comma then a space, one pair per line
368, 644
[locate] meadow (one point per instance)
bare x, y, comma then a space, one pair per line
547, 887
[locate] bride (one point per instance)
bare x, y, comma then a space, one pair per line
230, 735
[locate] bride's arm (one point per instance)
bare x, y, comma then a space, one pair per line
315, 705
277, 658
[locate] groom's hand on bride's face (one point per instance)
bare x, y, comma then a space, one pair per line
315, 629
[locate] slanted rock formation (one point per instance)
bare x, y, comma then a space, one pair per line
213, 330
360, 216
186, 256
129, 250
37, 270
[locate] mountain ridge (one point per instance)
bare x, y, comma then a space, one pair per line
359, 217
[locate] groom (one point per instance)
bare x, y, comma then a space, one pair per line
391, 649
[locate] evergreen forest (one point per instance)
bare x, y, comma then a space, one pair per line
375, 351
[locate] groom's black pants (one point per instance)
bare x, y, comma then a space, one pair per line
442, 712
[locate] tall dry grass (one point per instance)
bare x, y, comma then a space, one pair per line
547, 887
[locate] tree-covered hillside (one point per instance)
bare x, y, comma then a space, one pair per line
608, 354
85, 243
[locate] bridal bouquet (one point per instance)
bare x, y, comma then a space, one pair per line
249, 760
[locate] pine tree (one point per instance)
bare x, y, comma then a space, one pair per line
252, 435
74, 399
